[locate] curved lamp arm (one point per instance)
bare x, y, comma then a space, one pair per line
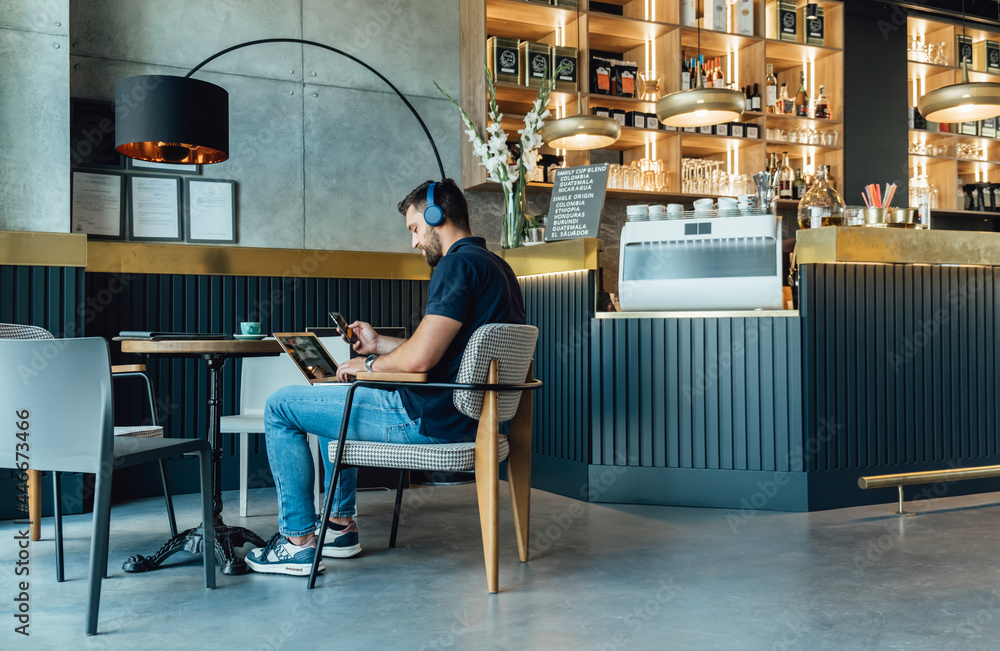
164, 118
342, 53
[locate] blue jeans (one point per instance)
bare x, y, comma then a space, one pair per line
376, 415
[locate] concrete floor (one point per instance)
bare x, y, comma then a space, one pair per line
601, 577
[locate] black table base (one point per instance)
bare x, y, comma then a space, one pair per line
227, 539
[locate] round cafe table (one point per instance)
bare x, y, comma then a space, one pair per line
215, 352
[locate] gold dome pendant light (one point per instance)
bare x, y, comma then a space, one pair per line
580, 132
964, 102
700, 106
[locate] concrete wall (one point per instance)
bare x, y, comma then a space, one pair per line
34, 115
322, 151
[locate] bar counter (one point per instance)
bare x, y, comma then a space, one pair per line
889, 365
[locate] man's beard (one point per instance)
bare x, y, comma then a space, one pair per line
432, 248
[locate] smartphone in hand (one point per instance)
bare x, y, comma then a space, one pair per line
341, 322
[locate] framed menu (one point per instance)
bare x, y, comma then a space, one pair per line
210, 207
97, 204
154, 207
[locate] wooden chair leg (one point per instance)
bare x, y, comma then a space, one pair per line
35, 504
396, 509
519, 471
488, 482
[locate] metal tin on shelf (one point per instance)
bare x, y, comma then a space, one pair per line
534, 63
567, 79
503, 59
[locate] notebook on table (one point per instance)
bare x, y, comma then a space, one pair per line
163, 336
313, 360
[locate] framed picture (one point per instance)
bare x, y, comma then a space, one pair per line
163, 168
154, 207
210, 210
97, 205
92, 134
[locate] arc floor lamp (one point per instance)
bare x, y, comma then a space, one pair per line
185, 120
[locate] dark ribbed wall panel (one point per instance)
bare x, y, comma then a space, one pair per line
561, 305
42, 296
900, 365
217, 304
703, 393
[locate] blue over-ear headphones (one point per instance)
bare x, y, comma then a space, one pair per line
433, 214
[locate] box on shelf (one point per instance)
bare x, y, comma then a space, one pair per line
963, 50
722, 129
635, 119
752, 131
715, 15
986, 56
503, 59
689, 129
567, 79
618, 114
743, 17
736, 130
811, 29
602, 111
689, 12
706, 130
652, 122
600, 76
968, 128
567, 3
988, 128
534, 63
783, 20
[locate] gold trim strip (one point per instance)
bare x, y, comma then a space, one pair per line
143, 258
896, 246
31, 249
554, 257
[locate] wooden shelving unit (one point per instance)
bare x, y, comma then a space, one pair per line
945, 169
649, 32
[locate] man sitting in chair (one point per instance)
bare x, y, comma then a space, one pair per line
470, 287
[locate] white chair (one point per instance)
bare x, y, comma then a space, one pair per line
63, 405
260, 377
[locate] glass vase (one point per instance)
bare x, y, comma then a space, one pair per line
513, 219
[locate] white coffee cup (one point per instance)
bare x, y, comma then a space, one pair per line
675, 207
703, 205
656, 213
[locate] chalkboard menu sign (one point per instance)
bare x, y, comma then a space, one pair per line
577, 199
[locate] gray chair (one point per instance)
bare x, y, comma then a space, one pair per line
60, 392
151, 430
496, 370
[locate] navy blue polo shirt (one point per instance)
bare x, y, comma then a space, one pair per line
474, 286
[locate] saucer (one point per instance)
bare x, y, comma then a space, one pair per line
249, 337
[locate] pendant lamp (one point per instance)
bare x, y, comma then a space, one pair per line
964, 102
700, 106
581, 131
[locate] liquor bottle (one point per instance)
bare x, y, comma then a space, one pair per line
822, 109
784, 102
822, 205
702, 80
798, 185
685, 73
720, 80
802, 98
785, 178
755, 99
771, 90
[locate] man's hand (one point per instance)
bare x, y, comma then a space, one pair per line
351, 367
368, 339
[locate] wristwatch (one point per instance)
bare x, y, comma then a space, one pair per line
369, 361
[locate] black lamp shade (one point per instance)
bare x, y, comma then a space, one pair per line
167, 119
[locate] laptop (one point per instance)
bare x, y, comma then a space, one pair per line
313, 360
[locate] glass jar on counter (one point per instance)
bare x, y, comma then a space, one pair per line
822, 205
